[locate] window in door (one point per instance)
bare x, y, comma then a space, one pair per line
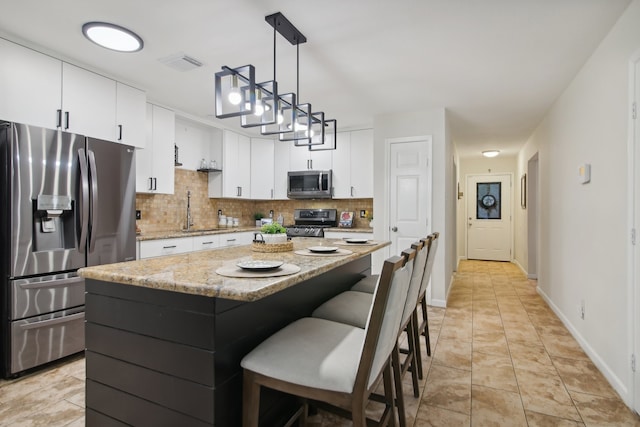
488, 200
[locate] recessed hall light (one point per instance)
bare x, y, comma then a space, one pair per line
112, 36
490, 153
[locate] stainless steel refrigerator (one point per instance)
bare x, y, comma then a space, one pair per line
67, 201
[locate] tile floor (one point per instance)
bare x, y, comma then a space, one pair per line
500, 358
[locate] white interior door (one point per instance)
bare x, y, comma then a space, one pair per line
489, 217
409, 192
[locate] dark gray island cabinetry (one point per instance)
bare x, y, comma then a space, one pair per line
165, 336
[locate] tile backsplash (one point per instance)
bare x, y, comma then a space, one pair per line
168, 212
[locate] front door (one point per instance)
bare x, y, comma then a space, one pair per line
409, 192
489, 217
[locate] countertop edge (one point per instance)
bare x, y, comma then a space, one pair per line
161, 273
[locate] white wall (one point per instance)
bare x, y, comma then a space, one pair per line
482, 165
583, 228
424, 123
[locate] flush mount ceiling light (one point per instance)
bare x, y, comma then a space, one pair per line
491, 153
112, 36
260, 104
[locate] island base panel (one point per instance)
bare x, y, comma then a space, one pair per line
172, 341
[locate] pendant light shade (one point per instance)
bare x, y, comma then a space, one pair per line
235, 92
300, 128
285, 116
267, 106
329, 138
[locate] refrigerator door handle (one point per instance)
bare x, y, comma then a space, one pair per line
83, 204
93, 212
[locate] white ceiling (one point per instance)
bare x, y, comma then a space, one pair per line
495, 65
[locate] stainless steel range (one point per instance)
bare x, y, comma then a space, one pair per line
312, 222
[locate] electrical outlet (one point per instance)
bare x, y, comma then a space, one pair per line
582, 309
138, 214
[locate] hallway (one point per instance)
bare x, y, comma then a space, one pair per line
500, 357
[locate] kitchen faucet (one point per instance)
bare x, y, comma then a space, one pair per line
189, 218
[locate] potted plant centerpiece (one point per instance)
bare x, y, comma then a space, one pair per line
274, 233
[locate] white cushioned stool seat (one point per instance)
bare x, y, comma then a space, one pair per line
368, 284
311, 352
349, 307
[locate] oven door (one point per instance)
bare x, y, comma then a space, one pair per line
41, 339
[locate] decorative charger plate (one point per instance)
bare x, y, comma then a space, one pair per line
353, 240
259, 265
323, 249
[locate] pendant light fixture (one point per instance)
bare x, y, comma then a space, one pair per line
260, 105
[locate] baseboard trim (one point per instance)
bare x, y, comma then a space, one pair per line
613, 379
515, 261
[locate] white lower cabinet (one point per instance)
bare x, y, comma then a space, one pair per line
210, 241
160, 247
236, 239
180, 245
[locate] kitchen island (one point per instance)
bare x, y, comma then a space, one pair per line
165, 336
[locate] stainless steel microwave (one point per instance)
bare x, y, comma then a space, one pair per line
309, 184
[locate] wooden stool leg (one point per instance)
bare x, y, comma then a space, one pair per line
425, 319
397, 376
416, 339
250, 400
411, 357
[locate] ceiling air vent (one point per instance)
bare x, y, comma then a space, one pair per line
181, 62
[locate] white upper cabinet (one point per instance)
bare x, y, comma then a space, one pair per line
301, 158
88, 103
155, 162
362, 164
30, 86
262, 168
43, 91
130, 115
281, 168
353, 165
235, 179
342, 166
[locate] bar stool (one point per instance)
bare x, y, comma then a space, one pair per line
338, 364
423, 327
352, 307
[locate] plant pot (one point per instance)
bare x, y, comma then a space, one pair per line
258, 223
274, 238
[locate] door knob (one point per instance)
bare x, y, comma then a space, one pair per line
394, 229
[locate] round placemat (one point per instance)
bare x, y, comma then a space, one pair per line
235, 271
338, 252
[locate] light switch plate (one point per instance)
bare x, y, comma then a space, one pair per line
584, 173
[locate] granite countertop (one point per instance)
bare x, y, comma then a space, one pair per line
195, 272
172, 234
